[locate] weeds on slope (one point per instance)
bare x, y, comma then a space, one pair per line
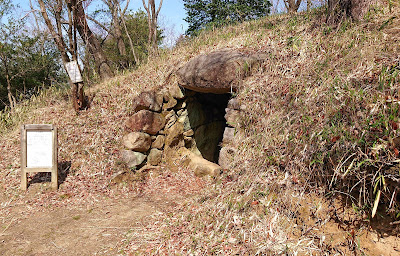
321, 116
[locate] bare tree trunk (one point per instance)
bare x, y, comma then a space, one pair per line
77, 95
91, 41
292, 5
122, 15
341, 9
72, 32
113, 6
152, 17
11, 98
117, 29
58, 40
5, 59
338, 10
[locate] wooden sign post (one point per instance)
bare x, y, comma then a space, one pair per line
78, 97
73, 72
39, 151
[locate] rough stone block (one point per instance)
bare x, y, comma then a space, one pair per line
131, 158
154, 157
176, 92
232, 117
174, 137
226, 157
158, 142
234, 104
199, 165
229, 134
145, 121
171, 102
188, 133
148, 101
137, 141
217, 72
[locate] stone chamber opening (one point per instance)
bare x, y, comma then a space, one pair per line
181, 125
206, 118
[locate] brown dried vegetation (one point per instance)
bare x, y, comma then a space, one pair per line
321, 139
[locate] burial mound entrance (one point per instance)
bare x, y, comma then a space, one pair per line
206, 117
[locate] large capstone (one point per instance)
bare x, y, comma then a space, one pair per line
217, 72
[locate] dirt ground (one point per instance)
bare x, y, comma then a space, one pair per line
45, 222
98, 229
110, 225
340, 231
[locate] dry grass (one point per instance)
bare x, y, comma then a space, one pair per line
322, 117
325, 106
322, 111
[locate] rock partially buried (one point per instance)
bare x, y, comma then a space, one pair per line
226, 157
137, 141
131, 158
199, 165
217, 72
158, 142
233, 117
146, 121
229, 134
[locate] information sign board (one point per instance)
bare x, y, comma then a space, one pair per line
38, 151
73, 72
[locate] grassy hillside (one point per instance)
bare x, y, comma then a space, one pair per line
320, 141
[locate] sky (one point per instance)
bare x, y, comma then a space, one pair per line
170, 19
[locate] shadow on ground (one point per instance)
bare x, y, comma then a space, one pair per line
64, 169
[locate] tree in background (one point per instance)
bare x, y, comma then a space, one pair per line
27, 60
89, 38
65, 39
202, 14
138, 30
64, 20
342, 9
292, 5
152, 20
115, 26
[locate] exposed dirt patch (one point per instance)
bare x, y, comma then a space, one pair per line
79, 231
339, 229
103, 227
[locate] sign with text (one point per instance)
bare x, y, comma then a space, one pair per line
39, 151
73, 72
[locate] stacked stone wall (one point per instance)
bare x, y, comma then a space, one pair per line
195, 125
170, 119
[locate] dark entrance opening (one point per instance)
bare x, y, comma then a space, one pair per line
206, 114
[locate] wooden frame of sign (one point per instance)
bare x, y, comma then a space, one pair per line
39, 151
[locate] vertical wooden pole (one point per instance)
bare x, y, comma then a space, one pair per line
24, 181
54, 170
24, 184
75, 99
